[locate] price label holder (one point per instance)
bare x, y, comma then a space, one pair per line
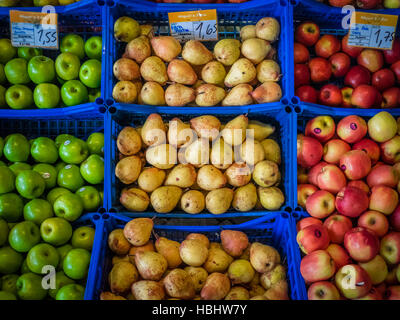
34, 29
194, 25
372, 30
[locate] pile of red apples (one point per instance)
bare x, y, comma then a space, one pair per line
368, 78
348, 182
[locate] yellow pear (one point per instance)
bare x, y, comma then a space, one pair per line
221, 154
234, 132
268, 29
164, 199
117, 242
272, 277
217, 286
272, 150
182, 175
219, 201
129, 141
210, 178
255, 49
242, 71
238, 293
179, 133
271, 198
147, 30
153, 69
170, 250
266, 173
217, 261
196, 53
245, 198
110, 296
125, 69
251, 152
138, 231
152, 94
240, 271
227, 51
263, 258
214, 73
138, 49
193, 202
198, 84
267, 92
256, 290
238, 174
166, 47
197, 153
180, 71
151, 265
126, 29
150, 179
148, 290
200, 237
193, 252
153, 131
248, 32
179, 284
178, 95
162, 156
198, 276
259, 130
134, 199
122, 276
240, 95
128, 169
208, 95
206, 126
268, 70
279, 291
125, 92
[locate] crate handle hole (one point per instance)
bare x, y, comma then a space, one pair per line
102, 109
101, 210
299, 209
295, 215
111, 3
288, 209
99, 101
105, 216
112, 110
284, 215
109, 102
295, 100
297, 109
96, 217
101, 2
288, 109
113, 210
284, 101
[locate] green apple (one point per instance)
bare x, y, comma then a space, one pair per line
43, 254
55, 193
7, 296
391, 4
10, 260
61, 138
76, 263
46, 96
48, 173
44, 150
41, 69
93, 47
3, 232
73, 43
92, 169
70, 178
17, 167
30, 184
94, 94
63, 251
68, 206
11, 207
19, 96
71, 292
9, 283
100, 189
16, 148
90, 73
28, 53
37, 211
24, 236
95, 143
61, 281
90, 198
74, 151
73, 92
60, 165
2, 164
7, 180
3, 102
56, 231
29, 287
41, 3
3, 78
16, 71
83, 237
67, 66
24, 267
7, 51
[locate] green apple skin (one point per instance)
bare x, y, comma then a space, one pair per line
92, 169
48, 173
83, 238
2, 164
3, 78
44, 150
60, 165
7, 180
19, 97
90, 73
90, 198
28, 53
61, 138
61, 281
73, 92
37, 211
100, 189
41, 255
30, 184
94, 47
10, 260
73, 43
55, 193
63, 251
17, 71
3, 102
7, 51
391, 4
11, 207
74, 151
46, 96
17, 167
68, 206
70, 178
71, 292
67, 66
29, 287
56, 231
9, 283
41, 69
24, 236
95, 143
3, 232
24, 267
16, 148
94, 94
4, 296
76, 263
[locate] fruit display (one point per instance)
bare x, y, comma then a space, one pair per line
349, 185
192, 269
159, 71
199, 165
364, 4
29, 78
35, 3
330, 72
199, 1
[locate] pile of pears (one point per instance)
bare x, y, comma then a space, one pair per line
200, 164
158, 71
194, 269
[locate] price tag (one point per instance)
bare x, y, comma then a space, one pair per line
372, 30
194, 25
34, 29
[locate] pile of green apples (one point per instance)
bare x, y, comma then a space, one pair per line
28, 78
45, 186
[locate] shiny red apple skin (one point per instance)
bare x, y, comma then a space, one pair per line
370, 147
352, 51
301, 53
371, 59
301, 75
383, 79
356, 76
364, 96
307, 94
395, 67
361, 244
334, 149
309, 151
330, 95
340, 64
351, 202
321, 69
327, 45
391, 98
393, 55
307, 33
352, 128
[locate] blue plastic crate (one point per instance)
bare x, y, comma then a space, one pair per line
84, 18
278, 230
231, 17
123, 115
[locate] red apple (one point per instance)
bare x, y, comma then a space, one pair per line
391, 98
383, 199
393, 55
356, 76
384, 175
373, 294
327, 45
395, 219
352, 129
301, 54
370, 147
371, 59
337, 225
303, 192
307, 94
323, 290
314, 172
383, 79
352, 51
340, 64
390, 248
347, 92
331, 179
334, 149
390, 150
395, 67
312, 238
351, 202
356, 164
301, 75
340, 3
361, 244
381, 288
321, 128
320, 204
360, 184
321, 69
392, 293
364, 96
330, 95
368, 4
378, 100
302, 176
317, 266
307, 33
305, 222
309, 151
353, 281
375, 221
339, 255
